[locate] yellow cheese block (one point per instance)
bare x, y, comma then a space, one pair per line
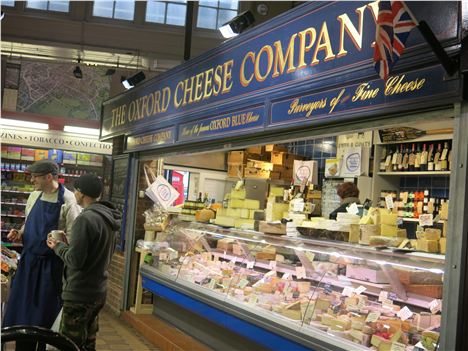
244, 223
432, 234
443, 245
354, 233
341, 324
382, 344
388, 218
274, 211
238, 194
233, 212
236, 203
245, 213
427, 245
225, 221
388, 230
276, 191
366, 220
221, 212
252, 204
327, 319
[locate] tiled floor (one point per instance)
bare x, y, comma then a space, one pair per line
116, 334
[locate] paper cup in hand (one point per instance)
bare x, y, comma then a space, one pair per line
58, 235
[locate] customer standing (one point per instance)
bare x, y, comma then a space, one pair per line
35, 290
348, 193
87, 259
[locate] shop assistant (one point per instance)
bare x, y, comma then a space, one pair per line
348, 193
35, 290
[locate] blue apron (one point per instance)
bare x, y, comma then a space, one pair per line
36, 287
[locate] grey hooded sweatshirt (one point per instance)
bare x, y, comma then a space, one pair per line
87, 257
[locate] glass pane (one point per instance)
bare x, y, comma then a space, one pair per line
103, 8
61, 6
155, 11
176, 14
8, 3
208, 3
206, 18
40, 5
225, 16
124, 10
230, 5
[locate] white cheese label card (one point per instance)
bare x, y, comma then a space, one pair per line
270, 273
310, 256
426, 220
163, 256
243, 283
352, 209
286, 276
300, 272
404, 313
250, 264
389, 201
361, 303
348, 291
211, 284
273, 265
253, 299
435, 306
298, 206
372, 317
397, 346
360, 289
383, 296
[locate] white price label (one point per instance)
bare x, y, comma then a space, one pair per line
310, 256
273, 265
426, 220
298, 206
404, 313
359, 290
348, 291
253, 299
234, 260
383, 296
250, 264
397, 346
300, 272
361, 303
243, 283
372, 317
270, 273
286, 276
211, 284
163, 256
389, 201
435, 306
352, 209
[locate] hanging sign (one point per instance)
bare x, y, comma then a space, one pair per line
150, 140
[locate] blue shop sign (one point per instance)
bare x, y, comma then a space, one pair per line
152, 140
311, 48
236, 122
406, 88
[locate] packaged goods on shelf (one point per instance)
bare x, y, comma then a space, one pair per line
27, 154
4, 149
69, 157
96, 160
14, 152
83, 159
56, 155
40, 154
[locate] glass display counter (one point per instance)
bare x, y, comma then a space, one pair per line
313, 292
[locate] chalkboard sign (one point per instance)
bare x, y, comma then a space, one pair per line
119, 177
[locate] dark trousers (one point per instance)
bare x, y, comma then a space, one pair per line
80, 323
29, 346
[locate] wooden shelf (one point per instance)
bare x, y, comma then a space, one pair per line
432, 173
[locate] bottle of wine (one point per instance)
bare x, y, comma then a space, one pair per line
430, 158
444, 158
449, 157
385, 159
437, 156
424, 159
417, 159
405, 160
396, 159
411, 159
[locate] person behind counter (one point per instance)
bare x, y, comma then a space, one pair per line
348, 193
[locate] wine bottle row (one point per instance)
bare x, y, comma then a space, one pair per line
411, 204
416, 157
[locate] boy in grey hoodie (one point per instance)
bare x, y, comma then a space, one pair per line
86, 259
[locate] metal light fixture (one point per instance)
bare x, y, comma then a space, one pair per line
237, 25
129, 83
24, 124
81, 130
77, 72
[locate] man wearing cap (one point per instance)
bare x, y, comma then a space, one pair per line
86, 258
35, 290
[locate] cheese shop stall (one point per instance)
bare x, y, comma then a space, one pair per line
236, 156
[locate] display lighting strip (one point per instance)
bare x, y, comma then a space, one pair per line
81, 130
23, 124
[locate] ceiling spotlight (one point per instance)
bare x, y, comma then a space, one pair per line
133, 80
77, 72
237, 25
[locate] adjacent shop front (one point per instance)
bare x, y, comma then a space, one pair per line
230, 128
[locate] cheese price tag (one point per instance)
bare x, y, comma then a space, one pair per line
273, 265
397, 346
383, 296
300, 272
250, 264
404, 313
389, 201
310, 256
243, 283
361, 304
387, 304
286, 276
298, 206
359, 290
426, 220
163, 256
253, 299
435, 306
348, 291
270, 273
372, 317
352, 209
211, 284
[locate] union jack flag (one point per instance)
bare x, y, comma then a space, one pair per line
394, 24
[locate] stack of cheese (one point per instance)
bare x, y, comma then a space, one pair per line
275, 208
390, 234
240, 212
429, 239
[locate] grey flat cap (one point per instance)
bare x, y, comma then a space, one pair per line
44, 167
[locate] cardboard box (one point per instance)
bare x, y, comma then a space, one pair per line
235, 170
41, 155
27, 154
237, 157
69, 157
255, 150
250, 172
275, 148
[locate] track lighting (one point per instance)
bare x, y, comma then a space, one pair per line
133, 80
237, 25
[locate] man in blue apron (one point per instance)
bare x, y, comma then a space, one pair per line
35, 289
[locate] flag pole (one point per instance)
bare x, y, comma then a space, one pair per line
448, 63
